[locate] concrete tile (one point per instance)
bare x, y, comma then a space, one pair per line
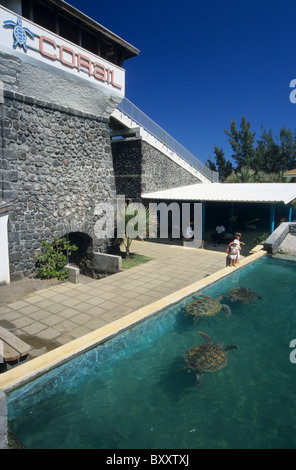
57, 298
33, 299
95, 311
81, 307
39, 315
49, 334
10, 315
55, 308
67, 312
96, 323
52, 320
44, 303
29, 309
64, 339
18, 305
81, 318
71, 302
66, 326
22, 321
80, 331
83, 296
34, 328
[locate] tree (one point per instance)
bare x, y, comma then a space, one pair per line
223, 166
245, 175
134, 221
267, 154
242, 143
288, 149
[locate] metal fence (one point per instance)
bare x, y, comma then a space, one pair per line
136, 115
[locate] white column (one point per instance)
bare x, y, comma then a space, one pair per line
4, 258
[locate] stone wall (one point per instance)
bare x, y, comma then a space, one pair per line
160, 172
127, 158
56, 166
139, 167
277, 241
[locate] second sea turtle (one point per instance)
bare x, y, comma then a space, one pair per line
205, 306
242, 294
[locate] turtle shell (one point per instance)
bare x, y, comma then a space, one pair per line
203, 306
243, 294
205, 358
20, 35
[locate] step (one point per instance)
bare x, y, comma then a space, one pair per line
11, 347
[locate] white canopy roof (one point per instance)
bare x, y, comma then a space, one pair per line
228, 192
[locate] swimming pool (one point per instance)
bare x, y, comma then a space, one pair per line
132, 392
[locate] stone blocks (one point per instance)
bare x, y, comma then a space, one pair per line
56, 167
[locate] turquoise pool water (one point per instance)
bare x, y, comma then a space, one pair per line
134, 393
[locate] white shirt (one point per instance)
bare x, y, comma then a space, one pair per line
220, 229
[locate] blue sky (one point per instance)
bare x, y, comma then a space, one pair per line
204, 63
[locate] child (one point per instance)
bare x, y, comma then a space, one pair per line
232, 252
237, 237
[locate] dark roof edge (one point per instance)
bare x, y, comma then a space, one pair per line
86, 19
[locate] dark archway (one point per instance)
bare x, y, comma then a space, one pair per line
83, 257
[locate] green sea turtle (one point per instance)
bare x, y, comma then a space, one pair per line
242, 294
205, 306
19, 33
207, 357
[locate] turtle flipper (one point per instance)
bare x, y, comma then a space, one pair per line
9, 23
227, 309
206, 337
32, 35
232, 346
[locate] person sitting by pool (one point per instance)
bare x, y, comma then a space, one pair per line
189, 233
219, 234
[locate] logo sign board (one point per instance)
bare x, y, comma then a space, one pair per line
20, 35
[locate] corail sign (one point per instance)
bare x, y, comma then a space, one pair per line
34, 42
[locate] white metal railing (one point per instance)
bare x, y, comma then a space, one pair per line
136, 115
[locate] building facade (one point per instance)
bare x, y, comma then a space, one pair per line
61, 79
56, 159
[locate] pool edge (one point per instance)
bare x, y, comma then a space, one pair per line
28, 371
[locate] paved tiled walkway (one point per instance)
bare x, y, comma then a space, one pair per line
53, 316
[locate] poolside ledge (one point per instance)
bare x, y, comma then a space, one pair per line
34, 368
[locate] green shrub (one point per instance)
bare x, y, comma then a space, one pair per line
261, 238
53, 258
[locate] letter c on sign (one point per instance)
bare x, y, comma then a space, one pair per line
293, 353
42, 40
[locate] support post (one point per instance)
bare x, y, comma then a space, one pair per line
272, 218
203, 220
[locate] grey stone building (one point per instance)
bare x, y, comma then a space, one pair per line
62, 79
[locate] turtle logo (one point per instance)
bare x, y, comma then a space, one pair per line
19, 33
